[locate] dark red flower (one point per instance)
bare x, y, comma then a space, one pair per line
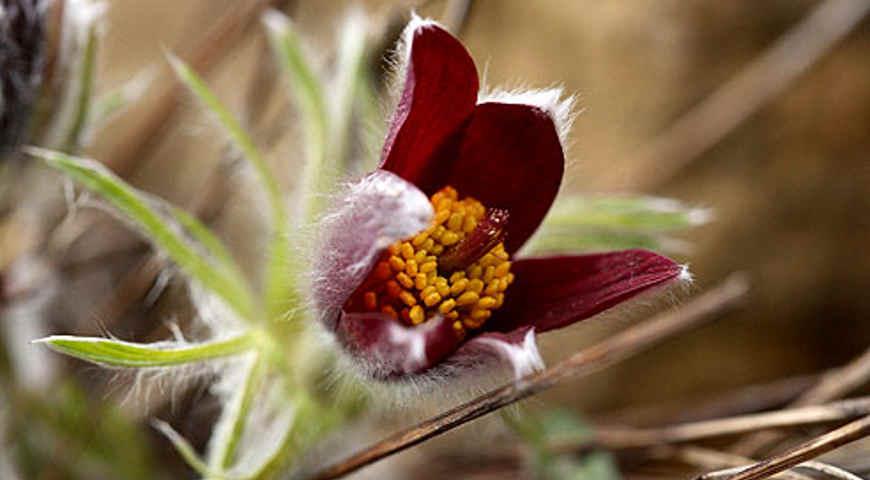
416, 266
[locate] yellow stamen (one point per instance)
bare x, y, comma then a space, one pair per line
411, 285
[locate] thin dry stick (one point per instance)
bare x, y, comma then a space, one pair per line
707, 459
618, 438
803, 452
592, 359
729, 106
831, 386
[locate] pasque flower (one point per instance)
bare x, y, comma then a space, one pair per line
417, 269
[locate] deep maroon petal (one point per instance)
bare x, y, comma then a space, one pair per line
552, 292
509, 157
386, 349
372, 214
438, 97
515, 350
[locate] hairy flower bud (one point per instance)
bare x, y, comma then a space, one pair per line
21, 59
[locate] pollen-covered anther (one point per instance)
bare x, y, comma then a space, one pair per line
457, 268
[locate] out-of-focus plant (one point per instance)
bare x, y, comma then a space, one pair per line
538, 431
264, 343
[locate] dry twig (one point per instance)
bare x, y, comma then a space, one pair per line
585, 362
617, 438
801, 453
834, 384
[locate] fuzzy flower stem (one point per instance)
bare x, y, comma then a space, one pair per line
231, 426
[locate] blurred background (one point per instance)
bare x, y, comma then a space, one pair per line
779, 155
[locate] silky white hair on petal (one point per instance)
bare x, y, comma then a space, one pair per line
551, 101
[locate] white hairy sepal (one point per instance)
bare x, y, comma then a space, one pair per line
369, 216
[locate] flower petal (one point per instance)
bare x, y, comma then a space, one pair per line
375, 212
553, 292
438, 97
386, 349
517, 350
510, 157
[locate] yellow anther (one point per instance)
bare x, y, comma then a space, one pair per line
417, 315
449, 238
437, 234
420, 281
442, 286
397, 263
420, 239
467, 298
459, 286
446, 306
487, 260
455, 222
407, 298
487, 302
432, 299
406, 283
371, 300
443, 205
404, 280
488, 274
475, 271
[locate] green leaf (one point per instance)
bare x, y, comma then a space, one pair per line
117, 353
280, 287
185, 449
318, 175
234, 130
137, 207
202, 234
350, 74
577, 224
117, 100
627, 213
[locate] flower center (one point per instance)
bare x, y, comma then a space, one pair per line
457, 268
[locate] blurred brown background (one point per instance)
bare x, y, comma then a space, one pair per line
789, 186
